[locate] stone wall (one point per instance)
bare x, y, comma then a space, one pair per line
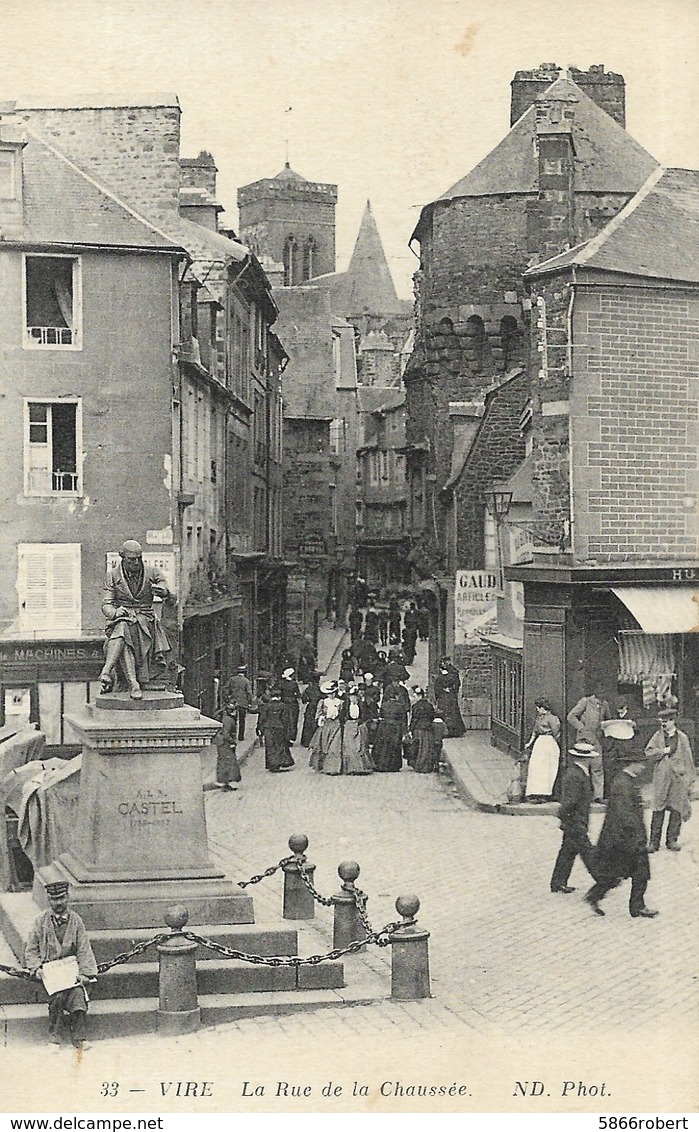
605, 88
132, 150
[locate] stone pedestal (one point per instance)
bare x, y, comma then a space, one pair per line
141, 842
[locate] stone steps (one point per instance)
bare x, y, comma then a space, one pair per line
27, 1022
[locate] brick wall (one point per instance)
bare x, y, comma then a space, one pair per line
132, 150
635, 430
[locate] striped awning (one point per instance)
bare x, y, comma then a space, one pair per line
662, 609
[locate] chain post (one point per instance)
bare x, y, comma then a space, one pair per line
178, 1006
347, 920
410, 963
298, 903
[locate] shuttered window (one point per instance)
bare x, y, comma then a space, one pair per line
48, 582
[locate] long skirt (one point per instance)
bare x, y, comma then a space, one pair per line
227, 769
326, 748
292, 715
427, 755
309, 727
543, 766
277, 753
355, 748
448, 709
387, 752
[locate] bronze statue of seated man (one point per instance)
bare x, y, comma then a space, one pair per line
137, 647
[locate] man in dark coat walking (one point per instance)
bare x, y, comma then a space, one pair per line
574, 814
622, 849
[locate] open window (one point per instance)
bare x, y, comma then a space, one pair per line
52, 302
52, 447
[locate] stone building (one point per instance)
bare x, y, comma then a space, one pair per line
133, 375
564, 169
343, 330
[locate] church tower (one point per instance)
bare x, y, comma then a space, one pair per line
289, 223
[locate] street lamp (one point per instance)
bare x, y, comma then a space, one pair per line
498, 500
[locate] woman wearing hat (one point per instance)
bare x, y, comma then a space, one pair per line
545, 753
446, 690
326, 744
427, 746
574, 816
273, 726
290, 698
355, 735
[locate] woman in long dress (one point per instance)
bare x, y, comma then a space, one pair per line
355, 737
273, 726
545, 753
446, 690
311, 697
290, 698
326, 744
387, 752
426, 757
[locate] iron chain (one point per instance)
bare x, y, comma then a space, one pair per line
16, 972
360, 900
124, 956
326, 901
267, 873
381, 939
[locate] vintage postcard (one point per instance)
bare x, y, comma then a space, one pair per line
349, 631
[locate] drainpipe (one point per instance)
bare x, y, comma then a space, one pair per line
569, 375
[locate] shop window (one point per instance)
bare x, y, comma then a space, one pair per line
52, 302
648, 660
48, 584
52, 448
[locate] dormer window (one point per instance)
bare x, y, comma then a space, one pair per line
9, 174
52, 302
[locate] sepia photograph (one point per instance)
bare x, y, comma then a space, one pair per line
349, 602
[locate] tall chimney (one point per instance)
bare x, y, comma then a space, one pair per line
552, 215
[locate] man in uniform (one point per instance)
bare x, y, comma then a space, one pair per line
57, 934
673, 775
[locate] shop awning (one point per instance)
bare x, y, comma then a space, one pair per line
662, 609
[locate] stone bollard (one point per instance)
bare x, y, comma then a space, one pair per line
410, 961
298, 901
178, 1007
347, 926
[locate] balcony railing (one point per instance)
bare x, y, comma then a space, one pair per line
64, 481
51, 335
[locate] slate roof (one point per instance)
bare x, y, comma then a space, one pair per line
367, 285
288, 174
607, 158
65, 206
379, 398
656, 235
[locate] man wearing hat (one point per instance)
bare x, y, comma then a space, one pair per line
673, 775
238, 698
57, 934
136, 642
574, 814
621, 850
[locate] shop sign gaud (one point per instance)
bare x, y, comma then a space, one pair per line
475, 596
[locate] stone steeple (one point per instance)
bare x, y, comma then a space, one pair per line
369, 287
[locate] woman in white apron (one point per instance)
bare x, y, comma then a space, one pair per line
545, 753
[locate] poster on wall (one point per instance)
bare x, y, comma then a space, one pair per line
475, 594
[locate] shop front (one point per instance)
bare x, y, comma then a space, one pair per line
43, 681
631, 630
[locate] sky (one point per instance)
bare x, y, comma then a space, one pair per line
392, 100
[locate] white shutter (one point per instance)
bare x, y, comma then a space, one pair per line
33, 587
65, 589
48, 582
